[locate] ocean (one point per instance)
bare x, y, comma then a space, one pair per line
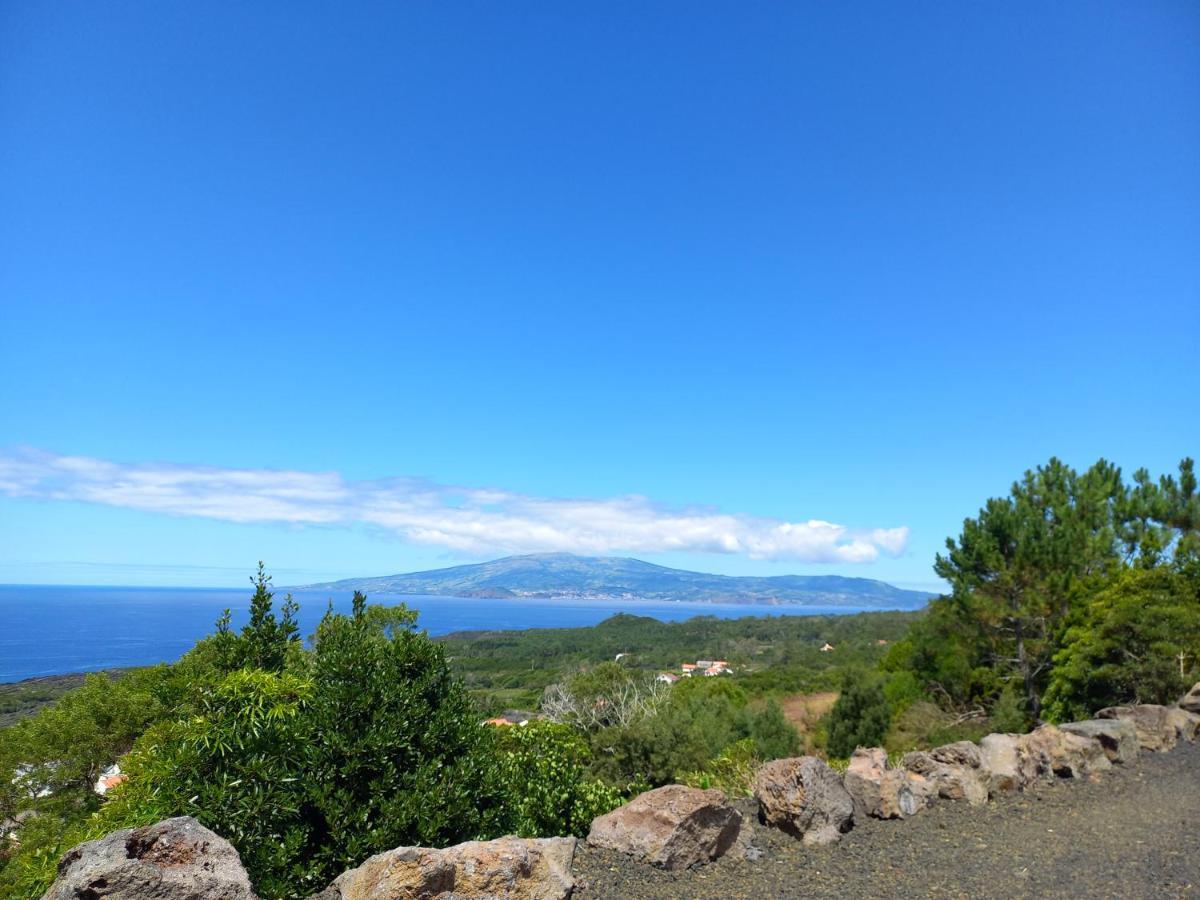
51, 630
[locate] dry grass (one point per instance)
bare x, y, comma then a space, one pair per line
805, 710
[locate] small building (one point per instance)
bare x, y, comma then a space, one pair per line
667, 677
109, 779
882, 642
510, 717
688, 669
827, 647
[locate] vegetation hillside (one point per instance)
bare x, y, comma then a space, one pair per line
1073, 591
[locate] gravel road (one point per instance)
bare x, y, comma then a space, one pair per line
1135, 832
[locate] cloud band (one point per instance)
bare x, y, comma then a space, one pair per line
472, 521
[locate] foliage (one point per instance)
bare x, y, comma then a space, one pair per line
700, 718
64, 748
1012, 568
769, 654
265, 642
1016, 572
395, 754
1008, 713
902, 689
21, 699
861, 715
547, 789
770, 734
238, 767
306, 761
922, 725
732, 771
1125, 645
52, 760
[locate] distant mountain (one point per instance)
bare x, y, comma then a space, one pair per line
565, 576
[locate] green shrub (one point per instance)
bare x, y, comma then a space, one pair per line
1124, 646
924, 725
396, 754
769, 732
731, 772
861, 715
547, 789
902, 689
700, 718
363, 744
1008, 713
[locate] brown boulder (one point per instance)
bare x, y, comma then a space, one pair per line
804, 797
1155, 728
1117, 737
882, 792
1191, 700
1000, 763
177, 858
509, 867
672, 827
1048, 751
960, 753
1186, 723
950, 780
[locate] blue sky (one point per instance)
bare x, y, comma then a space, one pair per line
358, 289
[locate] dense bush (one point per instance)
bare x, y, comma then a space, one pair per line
923, 725
237, 766
861, 715
547, 788
694, 723
1124, 646
306, 761
770, 734
396, 753
732, 771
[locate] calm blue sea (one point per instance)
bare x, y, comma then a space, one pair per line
47, 630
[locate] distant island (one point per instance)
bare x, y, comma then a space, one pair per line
564, 576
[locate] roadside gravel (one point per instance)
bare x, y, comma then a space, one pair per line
1134, 832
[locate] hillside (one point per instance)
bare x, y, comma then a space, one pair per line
563, 575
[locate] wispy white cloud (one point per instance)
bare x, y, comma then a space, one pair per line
469, 520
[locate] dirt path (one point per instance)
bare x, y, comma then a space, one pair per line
1135, 833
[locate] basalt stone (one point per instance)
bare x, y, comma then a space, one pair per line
1191, 700
804, 797
885, 793
510, 867
1187, 724
951, 781
672, 827
960, 753
1049, 752
1000, 763
1156, 730
176, 858
1117, 737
